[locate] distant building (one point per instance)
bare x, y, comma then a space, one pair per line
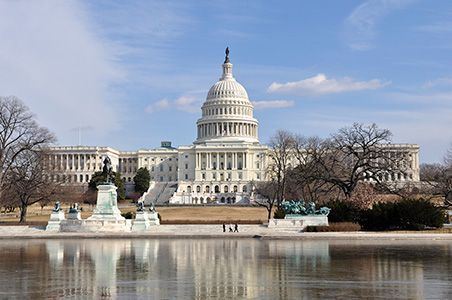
217, 168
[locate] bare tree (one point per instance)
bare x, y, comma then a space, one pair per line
305, 180
19, 133
266, 195
437, 179
354, 154
281, 154
28, 181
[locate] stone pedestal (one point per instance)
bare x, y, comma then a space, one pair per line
141, 221
54, 223
107, 205
154, 218
298, 222
74, 215
106, 216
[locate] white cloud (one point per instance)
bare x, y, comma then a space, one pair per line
321, 85
360, 25
190, 103
52, 59
269, 104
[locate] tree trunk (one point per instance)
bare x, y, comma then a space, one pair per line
269, 210
23, 213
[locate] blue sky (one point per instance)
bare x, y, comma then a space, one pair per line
129, 74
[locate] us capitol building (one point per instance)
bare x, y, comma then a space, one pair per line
218, 168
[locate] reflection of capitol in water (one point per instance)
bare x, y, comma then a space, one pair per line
219, 269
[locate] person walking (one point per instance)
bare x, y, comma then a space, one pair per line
230, 228
224, 227
236, 227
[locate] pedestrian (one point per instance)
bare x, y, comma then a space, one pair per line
236, 227
230, 228
224, 227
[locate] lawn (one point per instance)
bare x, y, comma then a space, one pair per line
173, 215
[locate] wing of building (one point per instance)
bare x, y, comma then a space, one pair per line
217, 168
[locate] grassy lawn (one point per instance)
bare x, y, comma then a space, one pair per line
175, 215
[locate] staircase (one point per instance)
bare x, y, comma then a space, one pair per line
167, 193
160, 193
154, 191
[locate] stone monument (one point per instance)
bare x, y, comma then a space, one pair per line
153, 216
299, 215
141, 221
106, 216
56, 217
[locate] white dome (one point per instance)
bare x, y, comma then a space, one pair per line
227, 88
227, 113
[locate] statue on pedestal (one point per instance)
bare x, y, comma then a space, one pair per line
57, 207
107, 170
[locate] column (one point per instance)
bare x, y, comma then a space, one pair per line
226, 160
218, 160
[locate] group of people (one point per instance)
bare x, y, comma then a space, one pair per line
236, 228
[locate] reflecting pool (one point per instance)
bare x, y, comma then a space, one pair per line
224, 269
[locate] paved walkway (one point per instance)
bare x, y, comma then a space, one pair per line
216, 231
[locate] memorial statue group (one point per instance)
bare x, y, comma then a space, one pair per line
299, 207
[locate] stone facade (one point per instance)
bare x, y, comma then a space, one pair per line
217, 168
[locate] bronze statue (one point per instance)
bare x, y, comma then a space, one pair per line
107, 170
226, 60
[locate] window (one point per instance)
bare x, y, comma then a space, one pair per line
244, 189
170, 168
226, 189
203, 175
235, 189
161, 168
198, 189
186, 166
186, 176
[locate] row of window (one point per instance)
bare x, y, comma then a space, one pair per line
227, 111
217, 189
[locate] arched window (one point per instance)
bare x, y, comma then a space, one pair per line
235, 189
188, 189
207, 189
198, 189
245, 189
226, 189
217, 189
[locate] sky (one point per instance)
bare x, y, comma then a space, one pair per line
129, 74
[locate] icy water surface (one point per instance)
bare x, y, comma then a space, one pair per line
224, 269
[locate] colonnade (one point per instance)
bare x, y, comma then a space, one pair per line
227, 129
75, 162
213, 161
